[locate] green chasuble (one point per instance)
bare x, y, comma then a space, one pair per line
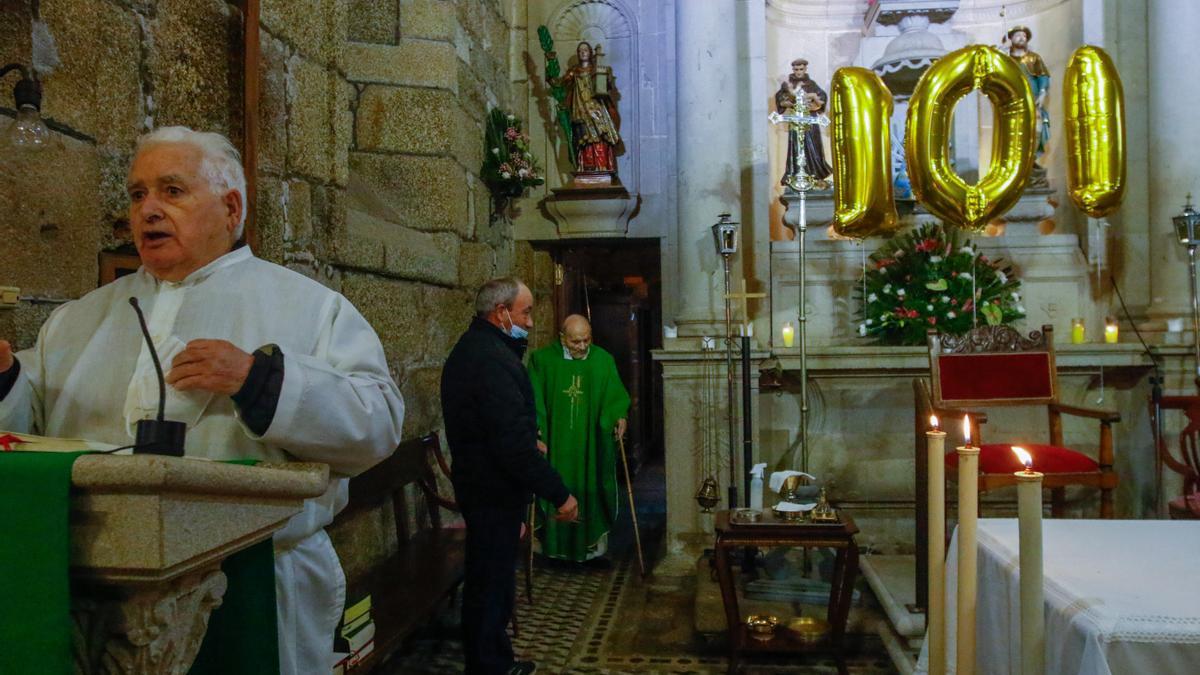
578, 404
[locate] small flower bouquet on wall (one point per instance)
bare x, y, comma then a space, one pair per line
927, 279
509, 167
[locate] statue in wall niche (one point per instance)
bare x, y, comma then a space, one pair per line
1039, 81
594, 119
799, 90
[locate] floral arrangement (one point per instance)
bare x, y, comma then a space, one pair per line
508, 165
928, 279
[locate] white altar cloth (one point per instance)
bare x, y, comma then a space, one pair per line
1122, 598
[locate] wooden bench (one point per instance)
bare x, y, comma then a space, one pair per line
425, 572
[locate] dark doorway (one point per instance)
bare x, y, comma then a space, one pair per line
618, 285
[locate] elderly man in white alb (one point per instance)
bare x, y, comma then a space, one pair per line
264, 363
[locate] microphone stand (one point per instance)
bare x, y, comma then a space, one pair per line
157, 436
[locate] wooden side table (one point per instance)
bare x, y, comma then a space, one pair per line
772, 532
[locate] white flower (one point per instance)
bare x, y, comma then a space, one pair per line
883, 318
1016, 297
523, 173
505, 175
862, 329
945, 298
1001, 276
887, 288
899, 253
966, 275
1020, 309
496, 151
900, 292
935, 258
872, 297
511, 117
870, 322
967, 249
928, 308
950, 314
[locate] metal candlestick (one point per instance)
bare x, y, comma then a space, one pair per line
799, 181
725, 237
1187, 227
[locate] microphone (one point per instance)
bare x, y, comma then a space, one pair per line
157, 436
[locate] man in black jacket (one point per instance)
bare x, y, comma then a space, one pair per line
491, 427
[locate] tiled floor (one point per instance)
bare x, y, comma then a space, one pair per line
599, 621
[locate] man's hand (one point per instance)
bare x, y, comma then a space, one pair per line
210, 365
569, 511
6, 356
619, 429
541, 447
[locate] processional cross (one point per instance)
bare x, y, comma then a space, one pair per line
745, 298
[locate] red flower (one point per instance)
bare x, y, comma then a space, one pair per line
927, 245
933, 321
884, 262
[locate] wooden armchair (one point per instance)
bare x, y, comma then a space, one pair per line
994, 366
1187, 505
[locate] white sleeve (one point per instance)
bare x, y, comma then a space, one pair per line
340, 406
21, 410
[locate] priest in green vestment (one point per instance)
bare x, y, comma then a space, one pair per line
581, 406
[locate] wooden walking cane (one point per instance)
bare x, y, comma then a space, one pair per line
637, 537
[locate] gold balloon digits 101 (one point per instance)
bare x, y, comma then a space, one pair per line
928, 131
1095, 111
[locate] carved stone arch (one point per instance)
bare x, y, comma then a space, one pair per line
612, 24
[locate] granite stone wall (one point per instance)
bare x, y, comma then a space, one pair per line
371, 136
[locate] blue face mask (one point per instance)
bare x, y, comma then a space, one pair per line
514, 331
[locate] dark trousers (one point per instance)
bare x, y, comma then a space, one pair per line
489, 589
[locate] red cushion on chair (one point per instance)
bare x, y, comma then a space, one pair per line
1192, 505
999, 458
995, 377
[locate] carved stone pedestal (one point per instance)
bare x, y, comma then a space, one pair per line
591, 212
148, 535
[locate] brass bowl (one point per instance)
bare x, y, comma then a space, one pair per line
761, 626
807, 629
746, 515
789, 516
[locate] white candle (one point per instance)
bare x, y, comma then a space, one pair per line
789, 334
968, 515
935, 610
1029, 515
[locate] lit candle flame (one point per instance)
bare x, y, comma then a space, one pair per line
1023, 455
933, 422
967, 429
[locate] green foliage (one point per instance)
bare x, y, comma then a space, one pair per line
557, 91
508, 164
925, 280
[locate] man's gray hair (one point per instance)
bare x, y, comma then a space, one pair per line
502, 291
220, 164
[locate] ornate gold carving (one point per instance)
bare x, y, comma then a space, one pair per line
992, 339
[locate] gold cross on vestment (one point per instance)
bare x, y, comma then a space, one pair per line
574, 391
745, 298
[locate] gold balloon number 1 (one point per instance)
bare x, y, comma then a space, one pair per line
861, 111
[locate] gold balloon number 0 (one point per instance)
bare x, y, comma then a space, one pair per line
928, 131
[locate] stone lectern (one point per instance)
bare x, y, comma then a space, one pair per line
148, 535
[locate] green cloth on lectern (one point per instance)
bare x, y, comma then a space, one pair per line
35, 591
578, 403
242, 634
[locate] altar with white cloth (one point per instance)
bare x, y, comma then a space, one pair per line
1122, 597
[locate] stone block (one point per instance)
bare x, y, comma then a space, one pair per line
51, 235
315, 28
467, 144
374, 21
345, 94
415, 63
428, 19
297, 212
421, 390
195, 81
15, 40
406, 119
20, 325
390, 307
272, 105
473, 92
97, 89
424, 193
448, 311
270, 218
314, 102
476, 264
377, 245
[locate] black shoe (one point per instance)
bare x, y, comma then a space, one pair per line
522, 668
